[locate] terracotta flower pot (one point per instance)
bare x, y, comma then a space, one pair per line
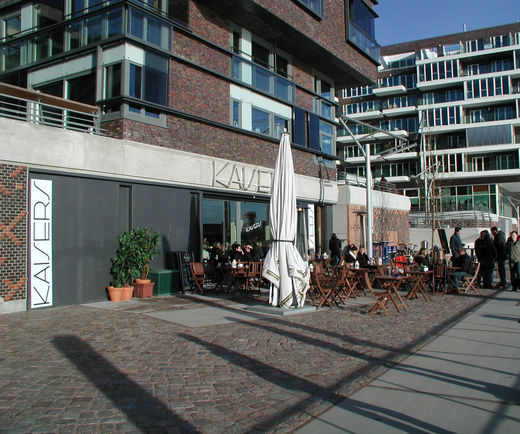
143, 289
127, 292
115, 294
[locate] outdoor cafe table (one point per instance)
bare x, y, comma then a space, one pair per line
418, 282
392, 283
239, 276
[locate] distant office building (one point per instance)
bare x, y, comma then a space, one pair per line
455, 98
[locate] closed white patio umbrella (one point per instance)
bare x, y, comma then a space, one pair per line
283, 265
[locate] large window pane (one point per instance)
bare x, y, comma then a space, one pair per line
93, 26
156, 78
83, 89
136, 23
114, 22
113, 81
260, 121
154, 31
135, 81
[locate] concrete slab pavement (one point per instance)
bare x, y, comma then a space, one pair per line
466, 380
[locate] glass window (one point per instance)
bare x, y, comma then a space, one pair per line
93, 27
327, 138
235, 113
137, 23
156, 78
361, 14
260, 121
82, 89
115, 22
113, 80
154, 30
135, 81
225, 222
315, 6
12, 25
260, 54
280, 124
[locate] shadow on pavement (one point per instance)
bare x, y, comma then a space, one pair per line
147, 413
290, 381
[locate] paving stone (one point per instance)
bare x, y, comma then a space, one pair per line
85, 369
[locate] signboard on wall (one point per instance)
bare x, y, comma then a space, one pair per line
40, 231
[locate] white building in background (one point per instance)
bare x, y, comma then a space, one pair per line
456, 98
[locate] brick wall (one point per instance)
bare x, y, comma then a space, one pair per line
198, 138
389, 225
13, 232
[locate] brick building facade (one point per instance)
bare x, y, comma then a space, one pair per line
13, 233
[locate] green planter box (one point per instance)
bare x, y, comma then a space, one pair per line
166, 281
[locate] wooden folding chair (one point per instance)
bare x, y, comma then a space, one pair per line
254, 275
381, 296
197, 273
323, 290
467, 283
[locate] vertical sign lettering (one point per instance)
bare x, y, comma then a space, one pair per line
41, 243
312, 233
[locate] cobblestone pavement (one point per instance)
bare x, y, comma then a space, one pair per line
84, 369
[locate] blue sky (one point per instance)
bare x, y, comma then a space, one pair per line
408, 20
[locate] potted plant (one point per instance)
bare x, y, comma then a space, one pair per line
145, 245
122, 270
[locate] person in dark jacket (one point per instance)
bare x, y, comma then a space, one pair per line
499, 240
351, 254
335, 250
237, 253
486, 254
362, 258
513, 253
462, 261
455, 243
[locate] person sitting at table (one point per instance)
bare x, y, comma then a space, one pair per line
362, 258
462, 261
237, 253
351, 254
422, 259
249, 253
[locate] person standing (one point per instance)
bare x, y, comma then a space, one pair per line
486, 254
335, 250
513, 250
499, 240
455, 243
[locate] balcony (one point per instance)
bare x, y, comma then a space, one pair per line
35, 107
389, 90
263, 79
35, 45
363, 41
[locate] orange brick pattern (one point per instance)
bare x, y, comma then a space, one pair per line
13, 232
389, 225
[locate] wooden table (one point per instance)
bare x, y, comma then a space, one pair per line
392, 283
419, 280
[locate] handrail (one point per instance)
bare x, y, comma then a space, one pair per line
40, 108
35, 96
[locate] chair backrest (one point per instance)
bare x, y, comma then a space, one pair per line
468, 281
197, 268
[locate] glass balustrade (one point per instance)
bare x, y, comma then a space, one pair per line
263, 79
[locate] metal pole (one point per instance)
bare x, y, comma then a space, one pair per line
370, 222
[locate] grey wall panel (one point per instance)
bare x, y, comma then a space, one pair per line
168, 211
87, 223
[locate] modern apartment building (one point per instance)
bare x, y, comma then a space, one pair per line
455, 100
205, 87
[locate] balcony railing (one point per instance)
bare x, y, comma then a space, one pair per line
119, 18
263, 79
363, 41
39, 108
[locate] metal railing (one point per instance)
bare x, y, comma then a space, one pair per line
39, 108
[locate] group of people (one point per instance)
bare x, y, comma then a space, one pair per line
492, 249
350, 254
